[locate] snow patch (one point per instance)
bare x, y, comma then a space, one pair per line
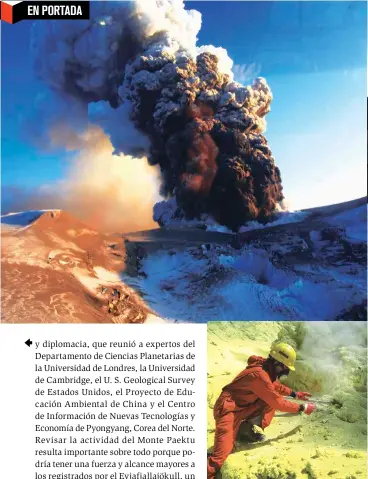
89, 282
23, 218
315, 236
93, 283
199, 285
65, 245
257, 264
283, 217
81, 232
106, 275
168, 214
354, 221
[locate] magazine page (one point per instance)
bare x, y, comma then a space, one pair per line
183, 239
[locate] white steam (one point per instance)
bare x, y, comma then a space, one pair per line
110, 193
123, 135
178, 27
336, 350
113, 193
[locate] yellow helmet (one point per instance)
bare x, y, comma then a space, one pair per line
285, 354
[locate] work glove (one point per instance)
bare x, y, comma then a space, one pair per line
304, 396
308, 408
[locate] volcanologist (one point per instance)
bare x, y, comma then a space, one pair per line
251, 399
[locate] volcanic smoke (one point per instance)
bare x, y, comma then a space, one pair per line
138, 62
101, 189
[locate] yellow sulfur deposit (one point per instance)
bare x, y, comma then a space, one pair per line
332, 365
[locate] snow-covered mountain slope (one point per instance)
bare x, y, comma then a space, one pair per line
312, 269
57, 269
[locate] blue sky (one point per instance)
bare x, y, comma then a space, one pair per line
22, 164
313, 55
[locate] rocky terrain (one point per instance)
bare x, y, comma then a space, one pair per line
331, 364
307, 265
56, 269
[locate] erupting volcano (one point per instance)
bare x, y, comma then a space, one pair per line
137, 68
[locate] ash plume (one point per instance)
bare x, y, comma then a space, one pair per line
139, 60
110, 193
